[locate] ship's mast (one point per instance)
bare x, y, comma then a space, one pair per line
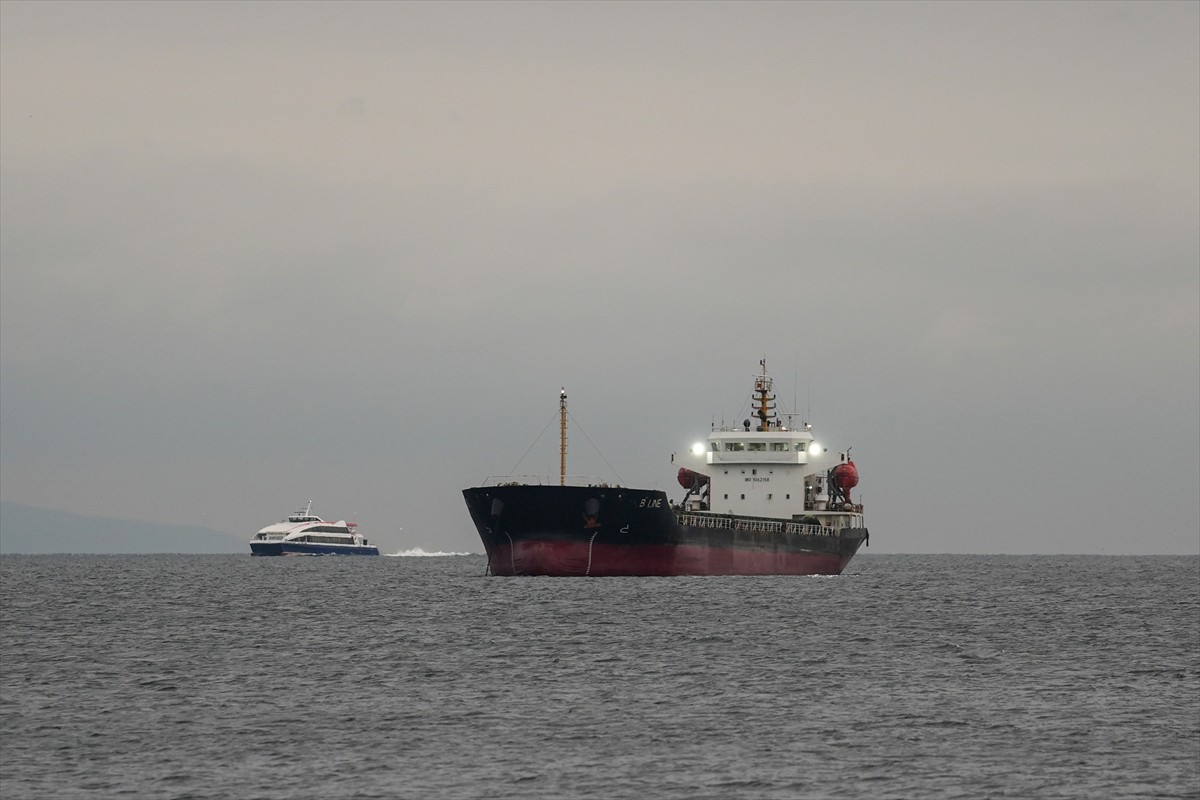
562, 426
763, 398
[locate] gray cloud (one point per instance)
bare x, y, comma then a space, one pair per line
356, 259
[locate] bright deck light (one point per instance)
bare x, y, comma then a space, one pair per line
698, 449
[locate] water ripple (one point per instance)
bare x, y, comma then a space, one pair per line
911, 676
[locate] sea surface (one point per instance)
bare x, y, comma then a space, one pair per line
908, 676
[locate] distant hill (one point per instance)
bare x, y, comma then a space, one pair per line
28, 529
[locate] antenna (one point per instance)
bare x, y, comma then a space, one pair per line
795, 385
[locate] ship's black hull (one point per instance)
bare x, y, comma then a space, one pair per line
609, 531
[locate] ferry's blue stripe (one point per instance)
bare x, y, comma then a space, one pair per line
328, 549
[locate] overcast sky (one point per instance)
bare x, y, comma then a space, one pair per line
257, 253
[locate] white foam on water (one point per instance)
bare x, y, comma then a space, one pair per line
417, 552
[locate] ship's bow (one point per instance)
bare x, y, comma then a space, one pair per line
565, 530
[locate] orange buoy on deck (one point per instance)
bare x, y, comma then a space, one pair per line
845, 477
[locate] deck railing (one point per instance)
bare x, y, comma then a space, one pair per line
764, 525
547, 480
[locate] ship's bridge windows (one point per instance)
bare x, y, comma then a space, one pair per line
799, 447
757, 446
779, 447
734, 447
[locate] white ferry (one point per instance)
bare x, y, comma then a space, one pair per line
305, 534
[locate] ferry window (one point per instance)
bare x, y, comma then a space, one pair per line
753, 472
757, 446
734, 447
799, 447
779, 447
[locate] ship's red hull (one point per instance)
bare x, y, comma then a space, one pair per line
565, 558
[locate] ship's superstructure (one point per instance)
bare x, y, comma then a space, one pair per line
769, 468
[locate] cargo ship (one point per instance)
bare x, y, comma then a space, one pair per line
761, 498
